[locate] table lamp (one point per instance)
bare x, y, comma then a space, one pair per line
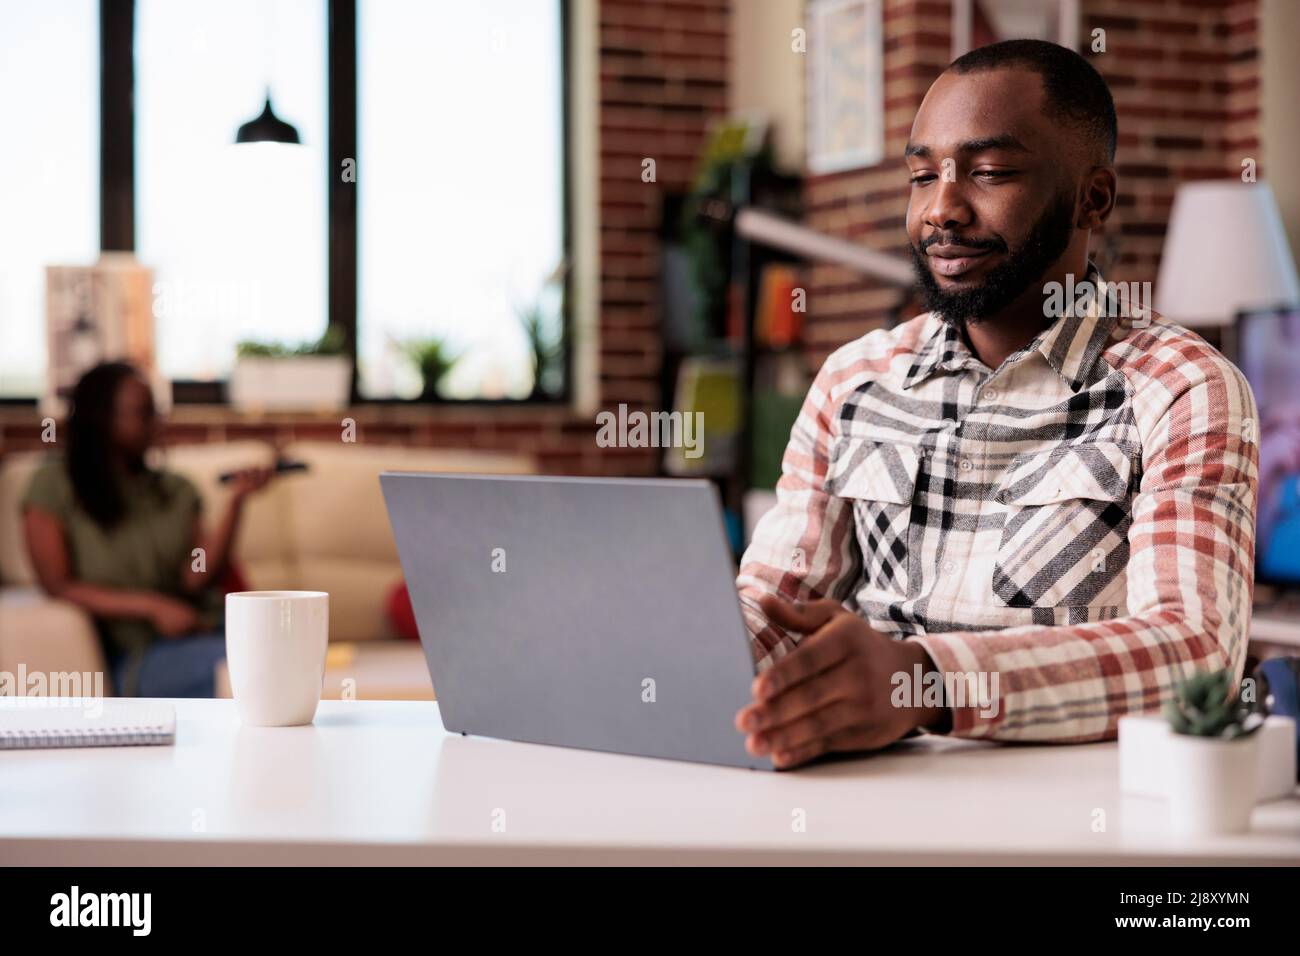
1225, 252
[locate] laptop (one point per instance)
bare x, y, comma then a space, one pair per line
598, 613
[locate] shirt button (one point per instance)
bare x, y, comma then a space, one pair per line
990, 393
965, 464
949, 567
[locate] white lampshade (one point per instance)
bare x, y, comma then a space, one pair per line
1225, 252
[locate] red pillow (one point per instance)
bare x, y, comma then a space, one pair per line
400, 613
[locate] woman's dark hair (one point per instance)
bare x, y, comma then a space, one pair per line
90, 443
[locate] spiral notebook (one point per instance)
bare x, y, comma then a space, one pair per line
40, 722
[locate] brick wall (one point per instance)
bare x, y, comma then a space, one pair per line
663, 78
1184, 74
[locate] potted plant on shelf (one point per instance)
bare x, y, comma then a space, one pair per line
434, 360
542, 323
1212, 755
309, 376
545, 349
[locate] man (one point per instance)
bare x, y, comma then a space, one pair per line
1009, 517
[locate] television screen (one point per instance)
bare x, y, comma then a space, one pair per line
1268, 353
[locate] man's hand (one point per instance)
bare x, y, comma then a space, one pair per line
833, 691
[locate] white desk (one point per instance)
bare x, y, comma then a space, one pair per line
375, 782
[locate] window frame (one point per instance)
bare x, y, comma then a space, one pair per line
117, 188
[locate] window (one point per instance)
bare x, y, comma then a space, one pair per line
49, 193
458, 230
235, 234
460, 172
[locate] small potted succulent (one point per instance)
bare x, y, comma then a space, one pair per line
1212, 755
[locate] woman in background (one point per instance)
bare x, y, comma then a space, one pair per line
117, 538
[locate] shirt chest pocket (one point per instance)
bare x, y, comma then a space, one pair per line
1065, 531
878, 479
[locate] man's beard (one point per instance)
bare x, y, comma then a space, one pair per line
1004, 282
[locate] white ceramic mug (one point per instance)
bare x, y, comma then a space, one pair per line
275, 653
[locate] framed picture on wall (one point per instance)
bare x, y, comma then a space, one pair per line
98, 313
977, 23
846, 91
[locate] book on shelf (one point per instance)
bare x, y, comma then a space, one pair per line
778, 318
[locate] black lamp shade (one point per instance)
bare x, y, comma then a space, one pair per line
267, 128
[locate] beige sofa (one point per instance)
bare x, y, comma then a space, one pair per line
325, 529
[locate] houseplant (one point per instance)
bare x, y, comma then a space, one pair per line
275, 376
1211, 755
545, 349
434, 359
542, 322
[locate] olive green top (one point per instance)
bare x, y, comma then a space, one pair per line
145, 551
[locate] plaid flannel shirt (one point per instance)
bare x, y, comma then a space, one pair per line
1079, 522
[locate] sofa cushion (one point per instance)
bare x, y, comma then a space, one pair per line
337, 508
53, 638
358, 593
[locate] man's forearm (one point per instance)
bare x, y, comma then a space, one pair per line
1066, 684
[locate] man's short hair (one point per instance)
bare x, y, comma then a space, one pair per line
1074, 91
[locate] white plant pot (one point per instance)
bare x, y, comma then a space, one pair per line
303, 383
1211, 783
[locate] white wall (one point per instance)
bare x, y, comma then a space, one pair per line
1280, 118
766, 75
